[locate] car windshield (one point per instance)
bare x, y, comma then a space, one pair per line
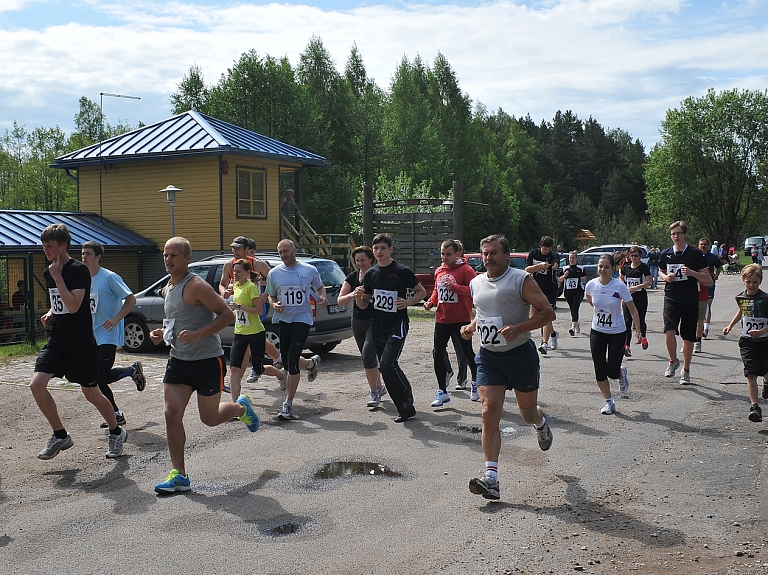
330, 273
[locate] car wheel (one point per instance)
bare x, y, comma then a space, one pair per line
274, 339
136, 335
323, 348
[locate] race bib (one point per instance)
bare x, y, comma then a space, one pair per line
602, 318
168, 330
293, 296
445, 295
677, 271
57, 304
633, 282
384, 300
489, 328
241, 318
750, 323
94, 301
571, 283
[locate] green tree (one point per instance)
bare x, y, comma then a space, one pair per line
192, 93
705, 168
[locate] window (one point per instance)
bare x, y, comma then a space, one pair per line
251, 193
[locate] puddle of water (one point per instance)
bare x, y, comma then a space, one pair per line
344, 468
285, 529
470, 428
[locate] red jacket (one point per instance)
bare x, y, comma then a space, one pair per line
459, 275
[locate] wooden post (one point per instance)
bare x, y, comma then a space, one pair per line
297, 190
413, 241
458, 210
367, 214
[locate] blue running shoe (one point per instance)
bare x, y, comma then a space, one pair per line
249, 417
173, 483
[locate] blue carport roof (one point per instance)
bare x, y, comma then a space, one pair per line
20, 231
189, 134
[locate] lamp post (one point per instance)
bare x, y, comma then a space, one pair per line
170, 193
101, 138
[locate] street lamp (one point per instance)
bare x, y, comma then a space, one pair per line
101, 138
170, 193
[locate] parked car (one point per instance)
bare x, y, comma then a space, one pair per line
516, 260
619, 248
332, 322
759, 241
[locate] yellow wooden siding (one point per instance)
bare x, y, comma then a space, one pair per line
131, 198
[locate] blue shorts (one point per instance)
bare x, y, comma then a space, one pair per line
516, 369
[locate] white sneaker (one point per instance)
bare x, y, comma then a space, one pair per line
253, 377
381, 390
373, 399
553, 340
473, 395
460, 385
578, 327
671, 368
609, 407
284, 381
543, 348
623, 380
285, 413
448, 378
706, 330
685, 377
314, 362
441, 398
116, 444
697, 347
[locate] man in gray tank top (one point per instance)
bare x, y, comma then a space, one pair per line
195, 314
507, 359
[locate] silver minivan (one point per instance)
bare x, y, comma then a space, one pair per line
332, 322
619, 248
759, 242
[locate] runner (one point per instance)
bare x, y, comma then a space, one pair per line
71, 350
608, 334
753, 343
249, 331
110, 301
454, 310
194, 316
573, 277
361, 322
637, 277
715, 267
542, 263
507, 357
682, 268
386, 284
288, 286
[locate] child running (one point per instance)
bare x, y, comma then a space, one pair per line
573, 277
753, 343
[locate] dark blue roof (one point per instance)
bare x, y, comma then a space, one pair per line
187, 134
20, 230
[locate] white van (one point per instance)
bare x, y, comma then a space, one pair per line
620, 248
759, 241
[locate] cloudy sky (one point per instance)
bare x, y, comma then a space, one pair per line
624, 62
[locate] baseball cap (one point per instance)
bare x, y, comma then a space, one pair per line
241, 241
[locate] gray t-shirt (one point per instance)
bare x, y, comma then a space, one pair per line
180, 316
499, 302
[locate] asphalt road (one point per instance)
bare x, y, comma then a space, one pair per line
673, 481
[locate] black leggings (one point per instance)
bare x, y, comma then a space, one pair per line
610, 344
574, 298
444, 332
640, 297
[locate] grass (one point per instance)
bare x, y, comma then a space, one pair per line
418, 313
18, 349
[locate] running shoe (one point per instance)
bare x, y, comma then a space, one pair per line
138, 376
685, 377
645, 343
55, 445
553, 340
314, 361
373, 399
174, 482
448, 378
473, 395
697, 347
285, 413
227, 389
116, 444
609, 407
672, 368
544, 435
765, 389
278, 363
441, 398
627, 351
572, 332
382, 390
485, 487
578, 327
249, 417
118, 416
623, 380
284, 381
253, 377
755, 413
460, 385
543, 348
706, 332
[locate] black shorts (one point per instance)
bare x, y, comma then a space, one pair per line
205, 376
682, 315
78, 364
754, 355
241, 342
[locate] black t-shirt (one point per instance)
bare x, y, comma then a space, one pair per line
357, 313
393, 278
635, 276
682, 290
753, 307
546, 278
574, 272
71, 329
